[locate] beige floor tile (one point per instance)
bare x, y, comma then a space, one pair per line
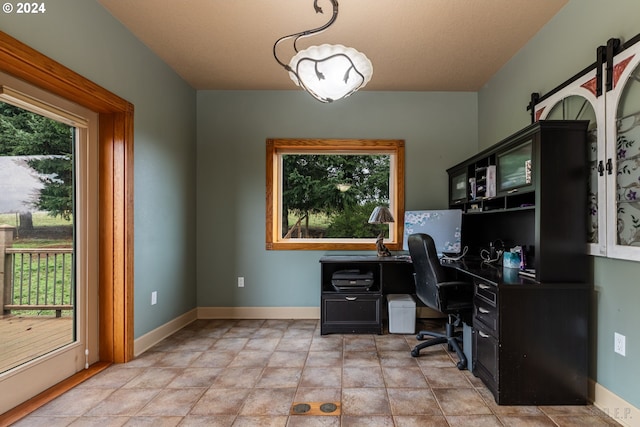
262, 344
313, 421
114, 377
179, 359
396, 358
237, 378
102, 422
354, 377
420, 421
294, 344
361, 359
327, 343
215, 358
230, 343
318, 394
38, 421
324, 358
287, 359
249, 372
365, 401
321, 377
172, 402
580, 420
412, 401
367, 421
465, 401
195, 377
250, 359
280, 378
359, 343
154, 378
268, 402
447, 378
262, 421
123, 402
410, 377
151, 422
473, 421
75, 402
526, 421
208, 421
221, 402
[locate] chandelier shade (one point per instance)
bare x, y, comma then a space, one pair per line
328, 72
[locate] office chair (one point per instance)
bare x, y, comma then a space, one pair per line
437, 291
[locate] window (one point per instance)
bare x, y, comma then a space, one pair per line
320, 193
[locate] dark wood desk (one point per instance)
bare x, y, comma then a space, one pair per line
530, 339
362, 311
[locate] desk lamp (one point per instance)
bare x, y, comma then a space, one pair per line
381, 215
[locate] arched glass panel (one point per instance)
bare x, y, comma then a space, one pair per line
628, 163
575, 107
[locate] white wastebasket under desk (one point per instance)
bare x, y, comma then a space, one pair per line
402, 314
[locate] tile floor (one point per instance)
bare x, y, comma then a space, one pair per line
250, 372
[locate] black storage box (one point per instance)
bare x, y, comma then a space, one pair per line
352, 280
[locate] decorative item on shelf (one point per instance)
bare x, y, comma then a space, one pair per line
491, 180
327, 72
381, 215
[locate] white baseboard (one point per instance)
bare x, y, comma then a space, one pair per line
148, 340
614, 406
258, 312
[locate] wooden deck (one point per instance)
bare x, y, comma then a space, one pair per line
23, 338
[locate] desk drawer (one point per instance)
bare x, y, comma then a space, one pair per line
485, 357
488, 293
351, 313
485, 314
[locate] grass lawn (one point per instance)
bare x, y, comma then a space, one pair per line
47, 231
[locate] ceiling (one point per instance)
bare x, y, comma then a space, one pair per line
414, 45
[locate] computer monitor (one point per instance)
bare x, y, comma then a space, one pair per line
444, 226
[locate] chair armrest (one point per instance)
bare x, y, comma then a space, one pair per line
455, 291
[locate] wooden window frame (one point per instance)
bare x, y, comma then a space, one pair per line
115, 139
278, 147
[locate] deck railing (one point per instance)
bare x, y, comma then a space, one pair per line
35, 280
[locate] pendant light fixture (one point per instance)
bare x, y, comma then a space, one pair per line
327, 72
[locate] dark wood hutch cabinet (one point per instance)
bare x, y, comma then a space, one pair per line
530, 338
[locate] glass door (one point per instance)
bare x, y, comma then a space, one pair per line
623, 139
48, 239
578, 101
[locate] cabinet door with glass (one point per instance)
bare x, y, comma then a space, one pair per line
514, 168
458, 193
623, 143
579, 101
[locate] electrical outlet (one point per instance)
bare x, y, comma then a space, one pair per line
619, 343
241, 282
154, 297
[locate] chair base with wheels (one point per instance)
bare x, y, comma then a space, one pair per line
451, 337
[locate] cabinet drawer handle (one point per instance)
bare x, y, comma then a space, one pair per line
351, 298
515, 190
481, 286
483, 335
483, 310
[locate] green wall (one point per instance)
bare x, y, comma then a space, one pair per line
566, 45
83, 36
439, 130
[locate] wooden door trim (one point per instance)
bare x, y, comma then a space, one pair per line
116, 186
